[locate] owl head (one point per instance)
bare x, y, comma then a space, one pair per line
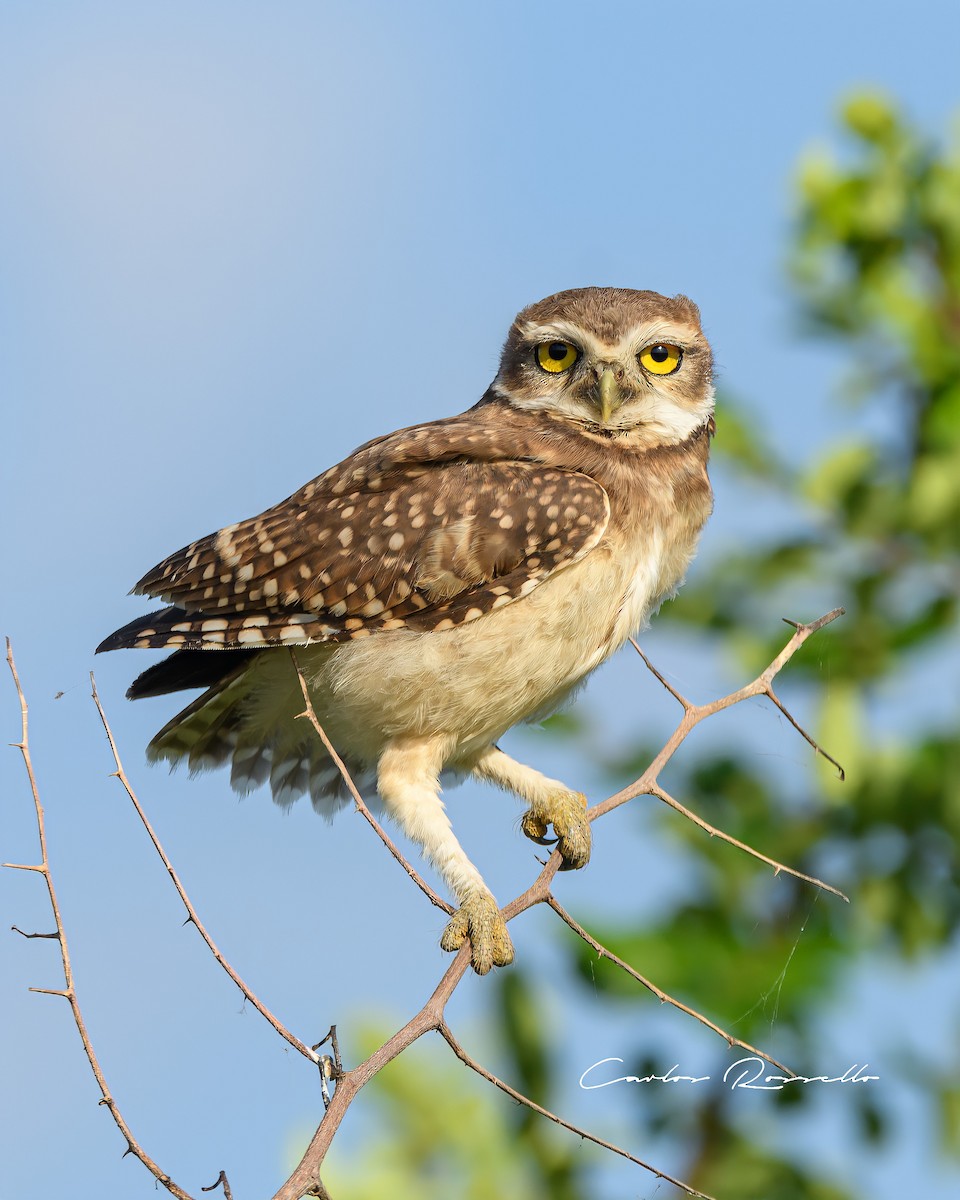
614, 360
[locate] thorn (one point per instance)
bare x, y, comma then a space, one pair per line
795, 624
220, 1180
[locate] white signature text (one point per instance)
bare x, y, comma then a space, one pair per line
746, 1074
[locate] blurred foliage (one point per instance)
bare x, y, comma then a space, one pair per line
875, 265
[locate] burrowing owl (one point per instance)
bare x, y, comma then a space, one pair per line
449, 580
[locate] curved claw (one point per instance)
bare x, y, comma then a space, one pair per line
565, 811
534, 827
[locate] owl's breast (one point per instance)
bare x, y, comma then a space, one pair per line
653, 542
525, 658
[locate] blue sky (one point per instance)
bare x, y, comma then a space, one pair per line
236, 241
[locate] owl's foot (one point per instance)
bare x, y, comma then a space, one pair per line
566, 812
479, 919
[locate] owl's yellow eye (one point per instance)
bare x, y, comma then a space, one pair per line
557, 356
661, 358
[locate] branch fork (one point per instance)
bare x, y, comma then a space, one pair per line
305, 1180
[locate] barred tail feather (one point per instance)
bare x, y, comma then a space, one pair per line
215, 731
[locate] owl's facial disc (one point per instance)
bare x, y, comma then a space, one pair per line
628, 364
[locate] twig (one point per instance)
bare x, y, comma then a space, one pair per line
17, 929
429, 1018
305, 1180
444, 1031
306, 1174
192, 916
69, 991
656, 790
693, 714
220, 1181
331, 1069
806, 736
431, 1015
653, 671
311, 715
661, 995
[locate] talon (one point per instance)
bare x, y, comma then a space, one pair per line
535, 828
479, 919
565, 811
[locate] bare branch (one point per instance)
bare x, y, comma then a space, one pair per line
69, 993
17, 929
331, 1069
305, 1180
661, 995
648, 785
431, 1016
335, 1046
658, 791
806, 736
192, 916
310, 714
682, 700
220, 1181
444, 1031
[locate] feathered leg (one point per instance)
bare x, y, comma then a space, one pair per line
408, 783
551, 803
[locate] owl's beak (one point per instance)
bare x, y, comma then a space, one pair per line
610, 397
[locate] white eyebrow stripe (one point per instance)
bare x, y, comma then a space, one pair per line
645, 334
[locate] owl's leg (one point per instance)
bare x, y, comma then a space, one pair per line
551, 803
408, 783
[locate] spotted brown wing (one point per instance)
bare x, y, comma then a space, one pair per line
379, 545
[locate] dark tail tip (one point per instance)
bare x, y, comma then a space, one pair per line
127, 637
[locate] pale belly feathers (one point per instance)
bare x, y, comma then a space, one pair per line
476, 681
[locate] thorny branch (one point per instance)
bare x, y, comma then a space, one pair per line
693, 714
220, 1181
192, 917
661, 995
305, 1180
69, 992
465, 1058
358, 800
